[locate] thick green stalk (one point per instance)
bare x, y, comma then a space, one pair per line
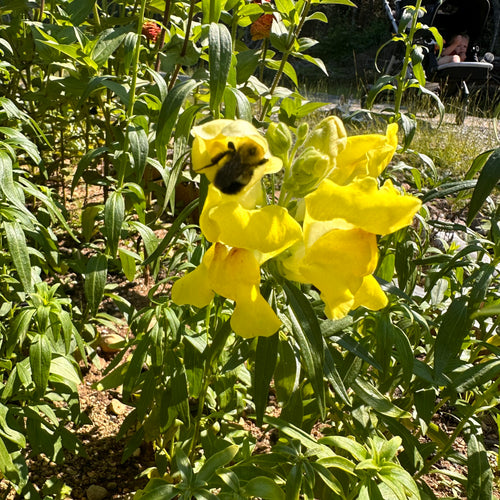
161, 42
131, 97
294, 34
177, 69
135, 68
401, 79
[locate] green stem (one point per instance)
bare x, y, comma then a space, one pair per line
206, 377
491, 392
135, 68
122, 162
173, 79
234, 30
265, 46
401, 79
161, 42
294, 34
42, 8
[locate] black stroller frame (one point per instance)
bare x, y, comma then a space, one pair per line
452, 17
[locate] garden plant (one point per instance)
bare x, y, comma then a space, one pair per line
304, 287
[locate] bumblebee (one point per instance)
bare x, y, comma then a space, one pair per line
237, 168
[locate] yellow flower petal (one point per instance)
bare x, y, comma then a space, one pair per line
268, 230
254, 317
194, 288
365, 155
234, 274
361, 204
370, 295
336, 264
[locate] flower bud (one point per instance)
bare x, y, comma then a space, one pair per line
329, 137
302, 131
279, 137
307, 171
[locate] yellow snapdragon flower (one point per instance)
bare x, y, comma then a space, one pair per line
332, 245
255, 233
234, 274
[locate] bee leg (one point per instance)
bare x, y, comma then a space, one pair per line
216, 159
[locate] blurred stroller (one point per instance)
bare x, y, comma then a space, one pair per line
454, 17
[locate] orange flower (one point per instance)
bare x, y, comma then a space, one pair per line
261, 28
151, 30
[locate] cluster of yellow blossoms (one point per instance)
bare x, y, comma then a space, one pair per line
330, 242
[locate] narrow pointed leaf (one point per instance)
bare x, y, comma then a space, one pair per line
307, 332
40, 356
451, 334
266, 356
139, 147
114, 215
216, 461
488, 179
479, 474
95, 281
219, 59
168, 115
372, 397
19, 253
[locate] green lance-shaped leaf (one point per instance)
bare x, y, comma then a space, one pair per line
89, 215
8, 468
307, 333
476, 375
8, 189
263, 487
85, 162
211, 10
6, 431
265, 361
480, 475
139, 147
78, 11
240, 103
19, 253
451, 334
114, 215
488, 179
216, 461
285, 373
372, 397
128, 260
95, 281
219, 58
40, 356
169, 113
109, 40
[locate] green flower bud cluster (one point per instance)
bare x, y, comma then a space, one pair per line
313, 155
308, 169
